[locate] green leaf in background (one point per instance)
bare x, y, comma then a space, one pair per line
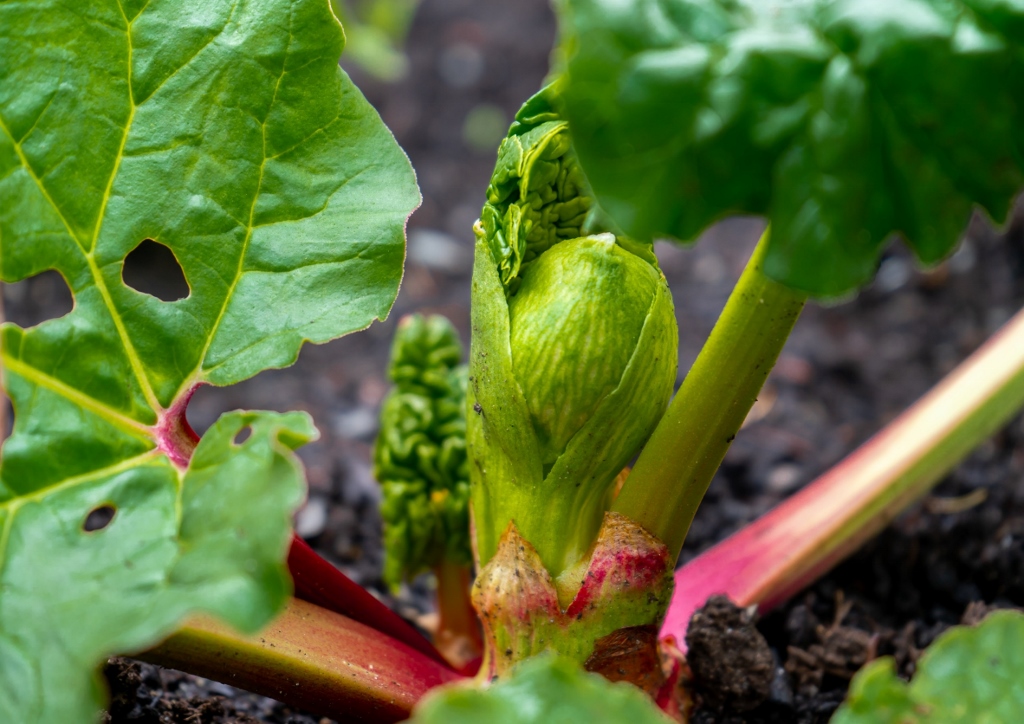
542, 690
843, 121
225, 131
970, 675
375, 32
420, 455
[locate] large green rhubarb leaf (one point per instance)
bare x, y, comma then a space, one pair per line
225, 130
970, 675
843, 121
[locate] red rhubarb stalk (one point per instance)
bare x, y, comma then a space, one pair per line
318, 582
784, 550
310, 658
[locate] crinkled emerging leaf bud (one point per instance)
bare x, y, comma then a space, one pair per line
420, 456
535, 198
573, 356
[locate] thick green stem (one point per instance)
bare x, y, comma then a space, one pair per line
680, 459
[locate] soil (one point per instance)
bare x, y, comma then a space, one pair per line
728, 657
847, 370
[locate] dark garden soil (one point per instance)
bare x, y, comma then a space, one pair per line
847, 370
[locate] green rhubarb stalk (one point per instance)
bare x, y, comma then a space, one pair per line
673, 472
311, 658
798, 541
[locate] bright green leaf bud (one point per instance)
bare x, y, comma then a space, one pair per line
574, 349
420, 455
570, 346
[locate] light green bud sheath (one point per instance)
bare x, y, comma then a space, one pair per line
573, 355
568, 355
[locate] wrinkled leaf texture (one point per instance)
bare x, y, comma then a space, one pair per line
843, 121
226, 131
970, 675
420, 454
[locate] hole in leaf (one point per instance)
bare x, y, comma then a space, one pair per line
152, 268
37, 299
270, 390
243, 435
99, 518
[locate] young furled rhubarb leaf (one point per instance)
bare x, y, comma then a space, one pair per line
544, 689
420, 456
225, 131
538, 196
420, 461
970, 674
843, 121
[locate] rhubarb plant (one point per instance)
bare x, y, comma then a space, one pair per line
226, 132
813, 113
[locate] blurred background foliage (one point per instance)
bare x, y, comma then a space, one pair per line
375, 33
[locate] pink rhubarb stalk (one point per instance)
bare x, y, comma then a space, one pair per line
311, 658
318, 582
805, 536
